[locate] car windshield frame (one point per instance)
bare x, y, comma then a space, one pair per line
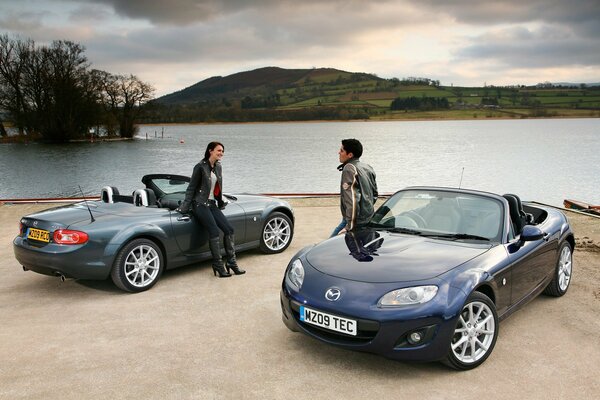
445, 214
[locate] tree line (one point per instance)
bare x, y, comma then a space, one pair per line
51, 92
420, 103
156, 113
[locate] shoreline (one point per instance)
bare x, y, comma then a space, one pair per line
419, 119
11, 139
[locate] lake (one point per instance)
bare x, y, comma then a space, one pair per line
545, 160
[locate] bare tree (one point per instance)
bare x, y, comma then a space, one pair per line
14, 56
124, 96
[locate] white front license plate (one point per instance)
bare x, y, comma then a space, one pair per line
328, 321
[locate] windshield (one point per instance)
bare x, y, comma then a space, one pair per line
170, 185
452, 215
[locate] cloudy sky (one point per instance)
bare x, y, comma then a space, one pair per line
173, 44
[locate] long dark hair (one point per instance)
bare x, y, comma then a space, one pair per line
211, 146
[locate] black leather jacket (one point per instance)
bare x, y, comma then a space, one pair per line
199, 187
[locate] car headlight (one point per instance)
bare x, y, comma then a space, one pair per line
295, 274
408, 296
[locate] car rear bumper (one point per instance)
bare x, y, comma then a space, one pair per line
385, 338
71, 261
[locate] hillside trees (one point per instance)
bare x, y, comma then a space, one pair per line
420, 103
52, 92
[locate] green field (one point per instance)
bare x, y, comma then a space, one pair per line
376, 96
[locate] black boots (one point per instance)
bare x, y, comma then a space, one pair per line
230, 251
217, 263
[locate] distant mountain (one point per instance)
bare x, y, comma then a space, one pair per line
261, 81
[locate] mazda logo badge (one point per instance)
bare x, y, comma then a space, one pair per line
333, 294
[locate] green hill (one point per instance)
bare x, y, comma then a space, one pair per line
278, 94
263, 82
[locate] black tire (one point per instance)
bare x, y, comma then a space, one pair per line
138, 266
563, 271
276, 234
467, 334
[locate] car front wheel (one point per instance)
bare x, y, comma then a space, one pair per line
277, 233
475, 333
562, 273
138, 266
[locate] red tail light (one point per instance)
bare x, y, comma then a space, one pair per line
67, 236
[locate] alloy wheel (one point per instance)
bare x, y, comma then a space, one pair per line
142, 266
277, 233
475, 332
565, 266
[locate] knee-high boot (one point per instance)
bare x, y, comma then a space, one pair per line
217, 262
230, 252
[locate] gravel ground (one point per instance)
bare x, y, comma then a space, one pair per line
194, 336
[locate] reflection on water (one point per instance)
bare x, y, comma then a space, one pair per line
543, 160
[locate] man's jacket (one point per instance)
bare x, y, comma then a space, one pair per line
358, 193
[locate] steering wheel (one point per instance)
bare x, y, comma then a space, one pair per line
421, 223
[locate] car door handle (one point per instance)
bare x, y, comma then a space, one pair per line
184, 218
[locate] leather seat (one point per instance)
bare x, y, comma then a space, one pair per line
108, 194
144, 197
442, 215
517, 215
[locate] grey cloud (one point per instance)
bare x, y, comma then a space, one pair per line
549, 46
89, 13
186, 11
515, 11
20, 21
251, 35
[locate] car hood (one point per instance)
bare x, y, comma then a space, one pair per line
380, 256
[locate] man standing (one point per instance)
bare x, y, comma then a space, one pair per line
358, 188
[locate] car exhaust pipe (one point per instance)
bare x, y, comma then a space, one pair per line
61, 276
25, 268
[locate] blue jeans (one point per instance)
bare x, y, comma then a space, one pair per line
212, 219
338, 228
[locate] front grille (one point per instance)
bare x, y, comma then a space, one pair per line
366, 330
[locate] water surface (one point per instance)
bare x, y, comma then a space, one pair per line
544, 160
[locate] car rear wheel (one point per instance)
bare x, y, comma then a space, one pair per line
277, 233
138, 266
562, 274
475, 333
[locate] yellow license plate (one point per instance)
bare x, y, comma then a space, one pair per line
38, 234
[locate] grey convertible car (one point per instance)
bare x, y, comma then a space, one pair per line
134, 238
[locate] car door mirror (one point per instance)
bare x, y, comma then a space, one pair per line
531, 233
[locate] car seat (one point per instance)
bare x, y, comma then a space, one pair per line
108, 194
442, 214
144, 197
517, 215
526, 216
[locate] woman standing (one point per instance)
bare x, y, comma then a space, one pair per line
204, 196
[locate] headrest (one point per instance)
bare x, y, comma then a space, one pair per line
144, 197
108, 193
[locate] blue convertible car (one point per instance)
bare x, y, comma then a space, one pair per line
431, 276
134, 238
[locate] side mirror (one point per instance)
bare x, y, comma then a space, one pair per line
531, 233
